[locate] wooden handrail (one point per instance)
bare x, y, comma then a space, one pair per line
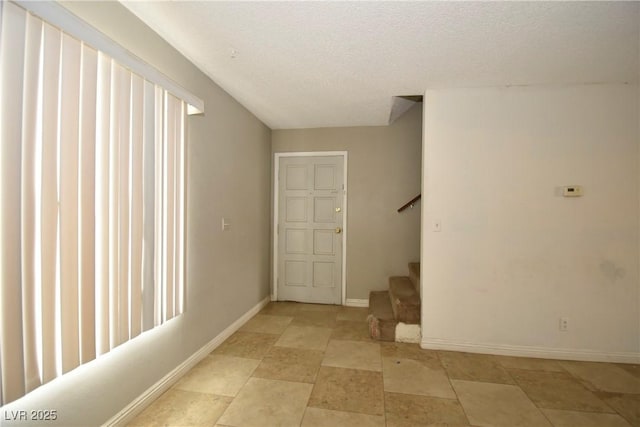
410, 203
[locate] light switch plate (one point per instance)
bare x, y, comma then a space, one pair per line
572, 191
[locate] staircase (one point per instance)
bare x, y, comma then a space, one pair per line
394, 315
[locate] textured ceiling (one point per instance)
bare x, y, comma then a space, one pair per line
319, 64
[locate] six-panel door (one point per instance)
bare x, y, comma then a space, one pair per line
310, 222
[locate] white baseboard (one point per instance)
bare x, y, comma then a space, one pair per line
526, 351
356, 302
151, 394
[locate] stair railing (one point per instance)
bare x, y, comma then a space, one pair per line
410, 203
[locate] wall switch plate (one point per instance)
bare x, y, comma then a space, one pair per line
225, 225
572, 191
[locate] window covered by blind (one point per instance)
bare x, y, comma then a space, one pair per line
92, 187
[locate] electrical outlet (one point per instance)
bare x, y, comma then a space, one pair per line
436, 226
564, 324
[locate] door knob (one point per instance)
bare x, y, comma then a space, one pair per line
338, 209
338, 230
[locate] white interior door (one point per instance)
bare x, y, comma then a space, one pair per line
310, 229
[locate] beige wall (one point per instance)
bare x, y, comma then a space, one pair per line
513, 255
227, 273
383, 173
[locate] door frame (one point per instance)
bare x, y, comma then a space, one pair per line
276, 182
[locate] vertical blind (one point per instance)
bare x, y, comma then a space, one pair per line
92, 187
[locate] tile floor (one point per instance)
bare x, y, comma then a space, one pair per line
313, 365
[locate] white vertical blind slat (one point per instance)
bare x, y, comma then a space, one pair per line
149, 137
179, 219
136, 209
11, 79
114, 206
69, 165
124, 239
30, 258
177, 208
159, 206
169, 206
88, 204
49, 214
103, 154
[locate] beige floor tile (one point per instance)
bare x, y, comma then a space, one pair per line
247, 344
558, 390
323, 319
183, 408
354, 314
627, 405
308, 337
406, 410
348, 390
331, 308
604, 376
267, 324
282, 308
316, 417
350, 330
268, 403
353, 355
497, 405
583, 419
633, 369
290, 364
409, 351
474, 367
415, 377
216, 374
529, 363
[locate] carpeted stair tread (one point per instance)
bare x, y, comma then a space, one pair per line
382, 324
405, 300
380, 305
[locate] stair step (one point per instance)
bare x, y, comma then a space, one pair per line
414, 275
405, 301
382, 324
